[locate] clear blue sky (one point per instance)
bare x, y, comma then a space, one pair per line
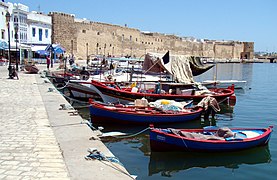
243, 20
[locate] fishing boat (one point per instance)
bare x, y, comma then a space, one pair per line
208, 139
142, 113
181, 88
111, 92
238, 84
80, 89
31, 68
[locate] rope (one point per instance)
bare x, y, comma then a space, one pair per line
184, 142
132, 135
80, 107
72, 99
63, 86
97, 155
89, 124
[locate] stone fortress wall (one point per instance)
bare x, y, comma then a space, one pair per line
83, 38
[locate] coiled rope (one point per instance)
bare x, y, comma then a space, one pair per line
97, 155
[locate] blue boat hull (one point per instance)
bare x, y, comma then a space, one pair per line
160, 141
104, 116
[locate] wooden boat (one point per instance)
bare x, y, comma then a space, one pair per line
31, 68
80, 89
139, 114
111, 92
224, 83
208, 140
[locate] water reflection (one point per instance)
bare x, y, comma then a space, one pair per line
228, 71
169, 163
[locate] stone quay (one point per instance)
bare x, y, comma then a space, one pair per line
40, 141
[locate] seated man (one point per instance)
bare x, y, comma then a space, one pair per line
84, 74
13, 73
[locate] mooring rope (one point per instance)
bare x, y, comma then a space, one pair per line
97, 155
131, 135
72, 99
63, 86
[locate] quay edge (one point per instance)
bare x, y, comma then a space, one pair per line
75, 138
53, 142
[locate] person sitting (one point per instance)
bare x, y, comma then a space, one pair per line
13, 73
71, 61
84, 74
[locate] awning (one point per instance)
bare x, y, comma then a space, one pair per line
19, 46
38, 47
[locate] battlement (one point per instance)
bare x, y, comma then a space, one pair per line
82, 37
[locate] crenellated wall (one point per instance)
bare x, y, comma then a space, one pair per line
82, 38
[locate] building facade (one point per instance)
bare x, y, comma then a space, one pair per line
39, 28
3, 24
19, 14
84, 38
34, 31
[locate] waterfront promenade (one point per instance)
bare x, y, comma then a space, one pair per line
39, 141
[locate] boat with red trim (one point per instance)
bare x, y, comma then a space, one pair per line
112, 92
140, 113
208, 140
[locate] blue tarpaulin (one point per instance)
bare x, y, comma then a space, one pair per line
42, 52
58, 49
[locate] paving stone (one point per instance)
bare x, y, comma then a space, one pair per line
11, 177
13, 172
29, 148
30, 173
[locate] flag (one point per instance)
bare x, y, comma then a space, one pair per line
166, 58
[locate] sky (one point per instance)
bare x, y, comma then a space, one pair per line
242, 20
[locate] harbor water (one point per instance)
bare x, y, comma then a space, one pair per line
255, 107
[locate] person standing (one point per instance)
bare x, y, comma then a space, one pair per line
48, 62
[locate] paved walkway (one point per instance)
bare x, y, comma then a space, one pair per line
39, 141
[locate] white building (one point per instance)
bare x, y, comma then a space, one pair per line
33, 35
20, 13
4, 8
39, 28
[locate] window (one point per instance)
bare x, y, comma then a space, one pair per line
130, 38
34, 32
83, 31
40, 34
98, 33
3, 34
46, 33
15, 19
